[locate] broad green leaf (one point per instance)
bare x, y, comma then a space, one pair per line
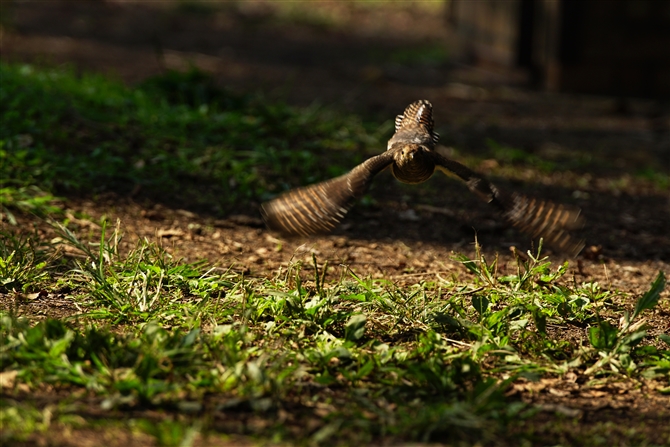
603, 336
480, 303
540, 320
650, 299
355, 327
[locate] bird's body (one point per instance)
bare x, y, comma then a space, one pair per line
412, 158
412, 163
412, 143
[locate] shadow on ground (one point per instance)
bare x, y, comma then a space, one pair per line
610, 156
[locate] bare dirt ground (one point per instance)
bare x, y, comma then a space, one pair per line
409, 233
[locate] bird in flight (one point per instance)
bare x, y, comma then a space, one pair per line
412, 158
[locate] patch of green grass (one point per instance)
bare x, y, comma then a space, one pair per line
433, 55
26, 262
176, 138
293, 13
144, 284
511, 155
20, 421
660, 179
429, 362
20, 188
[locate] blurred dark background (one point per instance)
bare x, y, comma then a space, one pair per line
581, 84
617, 48
375, 57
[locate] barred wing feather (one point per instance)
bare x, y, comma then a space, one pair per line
320, 207
537, 218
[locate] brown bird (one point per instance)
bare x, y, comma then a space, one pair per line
411, 156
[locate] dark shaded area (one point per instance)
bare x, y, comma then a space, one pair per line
525, 43
239, 419
572, 34
615, 166
586, 46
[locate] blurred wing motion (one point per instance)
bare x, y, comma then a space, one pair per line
547, 220
320, 207
537, 218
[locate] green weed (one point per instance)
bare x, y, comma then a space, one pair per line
144, 284
429, 362
26, 263
176, 138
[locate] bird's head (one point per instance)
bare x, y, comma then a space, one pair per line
409, 153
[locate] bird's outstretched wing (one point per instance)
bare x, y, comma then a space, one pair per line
537, 218
320, 207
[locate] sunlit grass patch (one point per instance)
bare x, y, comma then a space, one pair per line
26, 262
176, 138
425, 361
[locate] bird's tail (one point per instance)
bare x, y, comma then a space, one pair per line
419, 112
